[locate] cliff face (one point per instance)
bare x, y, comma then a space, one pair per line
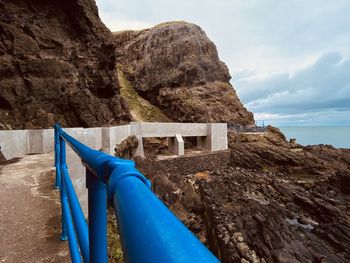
57, 64
176, 67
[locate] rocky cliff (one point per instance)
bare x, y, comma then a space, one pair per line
176, 67
57, 64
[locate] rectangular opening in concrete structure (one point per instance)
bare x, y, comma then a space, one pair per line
154, 146
192, 146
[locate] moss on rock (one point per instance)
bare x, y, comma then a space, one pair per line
141, 110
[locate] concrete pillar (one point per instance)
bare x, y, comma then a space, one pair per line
111, 136
177, 145
106, 140
139, 150
217, 136
136, 129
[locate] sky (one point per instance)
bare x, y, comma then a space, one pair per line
289, 60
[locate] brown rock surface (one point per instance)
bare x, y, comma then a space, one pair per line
57, 64
270, 151
176, 67
282, 218
270, 202
127, 148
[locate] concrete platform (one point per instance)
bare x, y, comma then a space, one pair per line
30, 212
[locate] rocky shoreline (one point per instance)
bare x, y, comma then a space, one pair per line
274, 205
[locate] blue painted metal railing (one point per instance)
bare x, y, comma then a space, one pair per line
149, 231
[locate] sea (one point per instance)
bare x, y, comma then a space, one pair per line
337, 136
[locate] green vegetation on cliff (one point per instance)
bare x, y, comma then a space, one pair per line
141, 110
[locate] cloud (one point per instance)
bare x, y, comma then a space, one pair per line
264, 35
323, 118
322, 87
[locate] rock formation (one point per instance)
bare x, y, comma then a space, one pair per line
270, 202
176, 67
57, 64
127, 148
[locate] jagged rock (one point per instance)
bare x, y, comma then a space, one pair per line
271, 203
293, 142
57, 64
176, 67
271, 152
273, 235
127, 148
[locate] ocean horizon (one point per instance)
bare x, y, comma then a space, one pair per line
338, 136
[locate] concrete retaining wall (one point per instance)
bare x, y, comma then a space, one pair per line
17, 143
14, 143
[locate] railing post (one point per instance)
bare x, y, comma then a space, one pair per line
57, 159
97, 199
63, 194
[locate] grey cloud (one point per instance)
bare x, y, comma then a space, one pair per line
325, 85
253, 32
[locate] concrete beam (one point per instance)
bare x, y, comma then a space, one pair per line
157, 129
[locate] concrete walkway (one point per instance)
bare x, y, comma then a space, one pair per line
30, 212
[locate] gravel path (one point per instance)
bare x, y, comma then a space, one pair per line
30, 212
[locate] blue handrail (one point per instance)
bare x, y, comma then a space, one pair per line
148, 229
